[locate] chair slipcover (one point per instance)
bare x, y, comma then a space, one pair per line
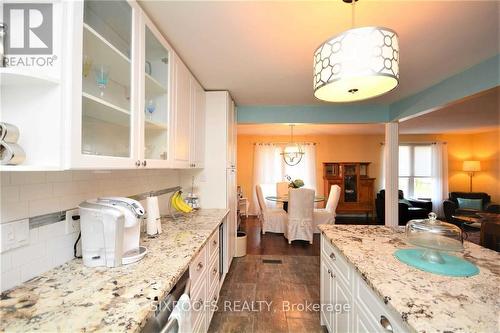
271, 219
300, 215
327, 215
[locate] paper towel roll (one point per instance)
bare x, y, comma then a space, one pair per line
153, 218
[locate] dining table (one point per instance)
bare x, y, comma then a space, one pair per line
284, 200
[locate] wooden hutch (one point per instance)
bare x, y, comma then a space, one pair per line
356, 186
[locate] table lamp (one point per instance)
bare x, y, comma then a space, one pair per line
471, 167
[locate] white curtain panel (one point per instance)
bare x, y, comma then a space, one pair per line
439, 176
383, 149
266, 170
269, 168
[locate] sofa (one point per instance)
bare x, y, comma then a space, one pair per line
409, 209
451, 205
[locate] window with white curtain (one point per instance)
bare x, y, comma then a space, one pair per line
269, 168
415, 170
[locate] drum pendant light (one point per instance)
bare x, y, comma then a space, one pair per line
292, 153
358, 64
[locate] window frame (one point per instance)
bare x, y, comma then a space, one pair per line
411, 166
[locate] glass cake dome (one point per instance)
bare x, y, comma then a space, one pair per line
434, 236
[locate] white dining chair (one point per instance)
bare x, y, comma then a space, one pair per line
299, 225
271, 219
281, 191
327, 215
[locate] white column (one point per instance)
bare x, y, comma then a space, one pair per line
391, 173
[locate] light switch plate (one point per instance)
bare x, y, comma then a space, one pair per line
72, 225
14, 234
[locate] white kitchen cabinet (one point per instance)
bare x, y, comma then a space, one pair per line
198, 125
231, 136
217, 182
117, 97
204, 275
181, 116
155, 96
341, 284
326, 286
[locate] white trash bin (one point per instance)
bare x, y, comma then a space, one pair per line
241, 244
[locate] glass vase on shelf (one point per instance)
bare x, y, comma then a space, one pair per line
150, 108
102, 77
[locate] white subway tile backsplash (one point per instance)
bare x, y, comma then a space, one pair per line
35, 191
35, 268
10, 279
25, 254
59, 176
12, 211
72, 201
10, 193
20, 178
43, 206
6, 261
81, 175
34, 235
51, 231
28, 194
62, 242
4, 178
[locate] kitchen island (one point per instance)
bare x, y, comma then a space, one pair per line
73, 297
418, 301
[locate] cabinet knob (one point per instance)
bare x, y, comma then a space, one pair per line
332, 256
214, 271
386, 324
144, 163
215, 242
137, 163
200, 266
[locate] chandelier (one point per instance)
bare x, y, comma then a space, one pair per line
292, 153
358, 64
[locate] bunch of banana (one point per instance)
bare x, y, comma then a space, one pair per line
178, 203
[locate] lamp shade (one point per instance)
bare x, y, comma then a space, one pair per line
471, 166
358, 64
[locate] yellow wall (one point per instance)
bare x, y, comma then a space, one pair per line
366, 148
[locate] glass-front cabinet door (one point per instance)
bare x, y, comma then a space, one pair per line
107, 85
155, 98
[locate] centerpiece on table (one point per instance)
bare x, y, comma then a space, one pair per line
297, 183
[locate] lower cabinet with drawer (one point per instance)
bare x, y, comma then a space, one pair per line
347, 303
204, 275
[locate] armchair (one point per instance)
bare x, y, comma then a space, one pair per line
451, 207
409, 209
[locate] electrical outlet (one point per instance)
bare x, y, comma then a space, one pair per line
72, 225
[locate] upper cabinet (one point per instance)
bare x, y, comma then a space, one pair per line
106, 86
198, 111
117, 97
156, 69
181, 116
188, 120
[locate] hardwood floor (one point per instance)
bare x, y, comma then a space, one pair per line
272, 277
275, 244
269, 290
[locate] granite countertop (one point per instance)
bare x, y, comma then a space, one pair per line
427, 302
73, 297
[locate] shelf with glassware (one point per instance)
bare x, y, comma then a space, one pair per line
156, 102
111, 87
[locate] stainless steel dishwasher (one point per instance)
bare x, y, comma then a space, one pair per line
161, 321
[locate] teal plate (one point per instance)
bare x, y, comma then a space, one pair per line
452, 266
